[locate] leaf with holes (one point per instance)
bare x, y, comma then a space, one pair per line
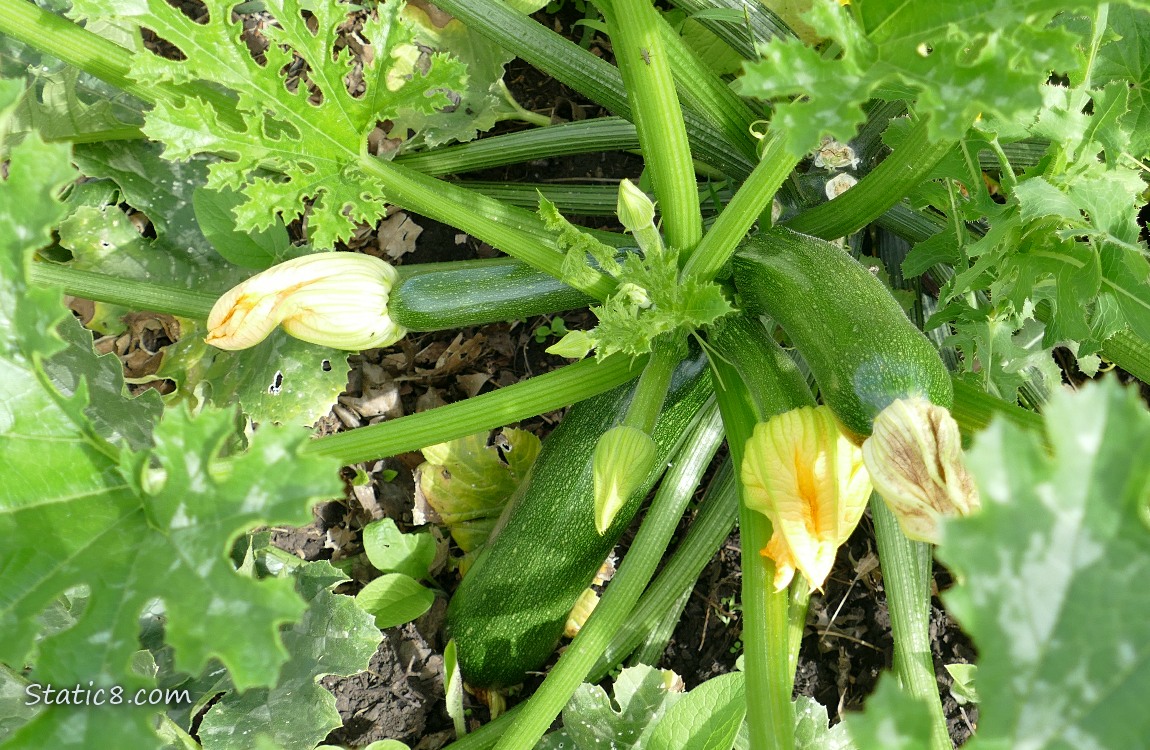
295, 145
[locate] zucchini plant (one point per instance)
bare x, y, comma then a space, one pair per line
921, 202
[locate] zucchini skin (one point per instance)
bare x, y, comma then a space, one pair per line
448, 296
861, 347
508, 613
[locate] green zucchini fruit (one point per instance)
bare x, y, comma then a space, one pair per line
454, 295
861, 347
508, 613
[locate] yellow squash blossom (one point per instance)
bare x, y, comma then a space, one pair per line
809, 480
914, 457
332, 299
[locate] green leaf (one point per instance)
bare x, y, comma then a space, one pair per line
163, 191
114, 416
956, 60
1062, 537
392, 551
891, 720
642, 694
466, 482
282, 380
15, 710
157, 527
134, 528
314, 147
335, 637
1127, 61
256, 250
812, 730
706, 718
963, 689
394, 599
484, 100
63, 103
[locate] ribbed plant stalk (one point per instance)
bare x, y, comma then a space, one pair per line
586, 136
906, 580
712, 526
758, 25
707, 94
766, 624
1130, 352
750, 200
591, 76
130, 293
542, 393
658, 118
642, 558
755, 380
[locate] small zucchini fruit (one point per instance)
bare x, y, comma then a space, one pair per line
510, 609
453, 295
859, 344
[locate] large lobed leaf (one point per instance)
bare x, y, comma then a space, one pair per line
312, 146
956, 59
80, 510
334, 637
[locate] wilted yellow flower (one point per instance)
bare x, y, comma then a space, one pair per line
808, 479
332, 299
914, 457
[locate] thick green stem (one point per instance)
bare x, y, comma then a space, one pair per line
702, 91
584, 200
905, 167
973, 409
517, 232
748, 203
754, 380
711, 528
643, 62
618, 600
906, 580
596, 79
1130, 352
131, 293
758, 25
508, 405
766, 631
649, 396
588, 136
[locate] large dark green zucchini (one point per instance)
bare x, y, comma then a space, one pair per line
454, 295
861, 347
508, 612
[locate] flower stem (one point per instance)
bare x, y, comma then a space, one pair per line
906, 579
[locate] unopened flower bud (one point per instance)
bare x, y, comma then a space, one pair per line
331, 299
914, 457
637, 213
624, 456
802, 473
